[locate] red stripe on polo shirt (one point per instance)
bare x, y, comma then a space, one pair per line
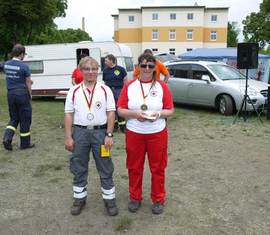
105, 92
73, 95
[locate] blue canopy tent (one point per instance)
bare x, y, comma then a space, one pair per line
229, 56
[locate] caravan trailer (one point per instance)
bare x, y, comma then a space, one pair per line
52, 65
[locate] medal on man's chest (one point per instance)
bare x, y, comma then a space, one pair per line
90, 116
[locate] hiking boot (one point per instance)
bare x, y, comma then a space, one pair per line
115, 128
123, 128
7, 145
133, 206
77, 207
110, 205
28, 146
157, 208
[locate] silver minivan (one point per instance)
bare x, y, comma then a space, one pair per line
214, 84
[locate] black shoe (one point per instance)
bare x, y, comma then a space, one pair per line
7, 145
133, 206
28, 147
157, 208
123, 128
77, 207
111, 207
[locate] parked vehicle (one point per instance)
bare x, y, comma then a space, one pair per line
52, 64
166, 58
214, 84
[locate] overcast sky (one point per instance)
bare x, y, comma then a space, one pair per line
99, 23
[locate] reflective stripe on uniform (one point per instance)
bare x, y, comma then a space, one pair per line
108, 193
79, 192
25, 134
11, 128
122, 123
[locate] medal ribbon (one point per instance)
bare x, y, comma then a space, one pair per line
92, 95
145, 96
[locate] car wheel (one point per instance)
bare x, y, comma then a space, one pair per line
225, 105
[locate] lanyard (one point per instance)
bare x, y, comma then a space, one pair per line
92, 95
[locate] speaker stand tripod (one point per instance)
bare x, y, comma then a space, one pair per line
244, 104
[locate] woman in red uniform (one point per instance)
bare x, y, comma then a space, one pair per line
146, 103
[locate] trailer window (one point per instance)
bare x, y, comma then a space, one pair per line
129, 64
35, 66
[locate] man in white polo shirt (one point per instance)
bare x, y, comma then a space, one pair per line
90, 110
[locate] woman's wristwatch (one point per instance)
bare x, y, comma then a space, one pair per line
109, 134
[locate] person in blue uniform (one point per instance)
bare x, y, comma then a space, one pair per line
18, 82
114, 77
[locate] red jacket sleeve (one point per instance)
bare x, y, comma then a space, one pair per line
167, 96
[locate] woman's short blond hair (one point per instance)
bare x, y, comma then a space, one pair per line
86, 60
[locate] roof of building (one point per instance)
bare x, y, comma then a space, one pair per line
174, 7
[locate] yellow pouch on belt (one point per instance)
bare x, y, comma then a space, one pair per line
105, 152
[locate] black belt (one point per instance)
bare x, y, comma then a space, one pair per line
92, 127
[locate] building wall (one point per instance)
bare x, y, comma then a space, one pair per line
136, 49
181, 17
138, 34
124, 22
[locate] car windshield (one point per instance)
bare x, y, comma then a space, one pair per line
225, 72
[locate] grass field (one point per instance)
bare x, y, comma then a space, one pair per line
217, 179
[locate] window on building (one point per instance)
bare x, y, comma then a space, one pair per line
189, 34
172, 51
131, 18
154, 34
154, 50
213, 35
190, 16
214, 18
173, 16
35, 66
189, 49
172, 34
155, 16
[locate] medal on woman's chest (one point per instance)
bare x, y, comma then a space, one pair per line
144, 107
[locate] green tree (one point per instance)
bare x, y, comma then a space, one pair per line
232, 35
22, 20
257, 25
53, 35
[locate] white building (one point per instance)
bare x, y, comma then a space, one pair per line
171, 29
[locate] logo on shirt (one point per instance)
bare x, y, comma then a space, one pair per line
116, 72
98, 105
153, 93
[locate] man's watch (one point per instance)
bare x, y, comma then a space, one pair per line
109, 134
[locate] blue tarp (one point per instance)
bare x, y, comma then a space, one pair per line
229, 56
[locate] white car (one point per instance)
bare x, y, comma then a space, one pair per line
214, 84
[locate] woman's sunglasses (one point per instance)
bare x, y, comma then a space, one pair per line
150, 66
